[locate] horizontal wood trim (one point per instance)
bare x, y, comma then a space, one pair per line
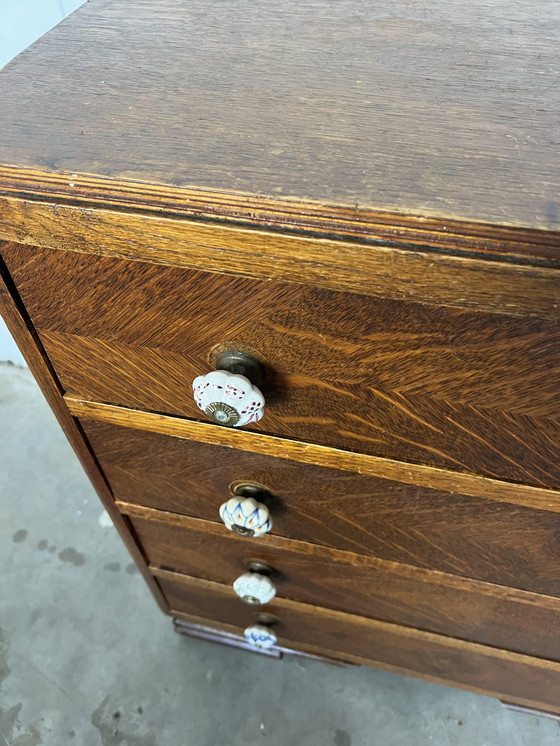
87, 190
329, 554
206, 549
461, 282
352, 512
480, 668
531, 711
407, 473
366, 584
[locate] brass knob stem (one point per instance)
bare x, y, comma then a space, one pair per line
256, 491
242, 364
260, 566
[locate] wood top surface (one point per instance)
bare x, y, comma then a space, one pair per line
439, 109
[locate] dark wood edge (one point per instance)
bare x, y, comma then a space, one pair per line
474, 485
350, 620
287, 214
30, 346
531, 710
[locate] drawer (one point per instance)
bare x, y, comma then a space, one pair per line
340, 635
367, 586
493, 541
458, 389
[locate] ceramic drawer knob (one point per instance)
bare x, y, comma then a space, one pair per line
228, 398
229, 395
246, 517
254, 588
260, 636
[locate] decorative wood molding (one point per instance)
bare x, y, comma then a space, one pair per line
427, 277
398, 229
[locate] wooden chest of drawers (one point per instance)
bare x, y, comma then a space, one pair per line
373, 240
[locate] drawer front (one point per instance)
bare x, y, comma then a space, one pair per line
366, 586
336, 634
479, 538
468, 391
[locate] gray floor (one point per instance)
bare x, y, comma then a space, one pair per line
87, 658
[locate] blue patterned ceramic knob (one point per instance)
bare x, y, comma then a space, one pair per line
246, 516
260, 636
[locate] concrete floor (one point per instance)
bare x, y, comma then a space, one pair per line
87, 659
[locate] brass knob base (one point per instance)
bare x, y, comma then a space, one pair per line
251, 600
242, 364
260, 566
242, 530
257, 491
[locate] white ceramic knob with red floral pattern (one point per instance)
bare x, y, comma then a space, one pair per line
228, 398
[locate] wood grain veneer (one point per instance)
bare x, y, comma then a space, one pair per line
452, 278
469, 391
396, 592
205, 549
402, 523
308, 453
